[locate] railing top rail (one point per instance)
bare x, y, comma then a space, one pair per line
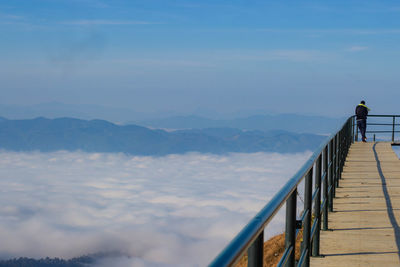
374, 115
249, 233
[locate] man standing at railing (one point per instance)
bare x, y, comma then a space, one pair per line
361, 116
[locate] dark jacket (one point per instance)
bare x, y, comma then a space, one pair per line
361, 112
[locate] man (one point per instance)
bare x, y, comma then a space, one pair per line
361, 116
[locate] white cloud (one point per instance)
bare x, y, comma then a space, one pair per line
105, 22
291, 55
220, 58
348, 31
357, 48
11, 16
177, 210
294, 55
94, 3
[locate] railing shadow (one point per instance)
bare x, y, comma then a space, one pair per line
361, 253
362, 228
389, 205
370, 210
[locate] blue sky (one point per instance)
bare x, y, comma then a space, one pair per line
308, 57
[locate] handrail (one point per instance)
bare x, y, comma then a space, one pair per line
392, 130
379, 115
328, 161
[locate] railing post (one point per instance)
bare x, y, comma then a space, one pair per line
334, 159
352, 130
325, 191
317, 206
330, 176
307, 219
337, 160
351, 134
394, 121
256, 251
356, 139
350, 141
347, 134
343, 149
340, 153
290, 233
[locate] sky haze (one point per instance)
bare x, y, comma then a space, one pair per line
308, 57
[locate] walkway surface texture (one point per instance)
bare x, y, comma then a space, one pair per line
364, 227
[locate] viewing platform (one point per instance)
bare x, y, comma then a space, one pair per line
350, 205
364, 225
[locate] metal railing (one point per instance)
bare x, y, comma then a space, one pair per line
391, 125
324, 168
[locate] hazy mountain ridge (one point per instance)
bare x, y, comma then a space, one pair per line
70, 134
243, 119
58, 109
289, 122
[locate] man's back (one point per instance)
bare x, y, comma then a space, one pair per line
361, 112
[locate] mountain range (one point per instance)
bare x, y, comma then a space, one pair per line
42, 134
287, 122
242, 119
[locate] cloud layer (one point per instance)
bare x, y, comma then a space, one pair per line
178, 210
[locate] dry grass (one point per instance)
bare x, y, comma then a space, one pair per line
273, 250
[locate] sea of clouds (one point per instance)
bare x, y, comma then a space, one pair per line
177, 210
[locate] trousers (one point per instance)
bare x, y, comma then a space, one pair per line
362, 125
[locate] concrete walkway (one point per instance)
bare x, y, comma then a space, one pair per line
365, 222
